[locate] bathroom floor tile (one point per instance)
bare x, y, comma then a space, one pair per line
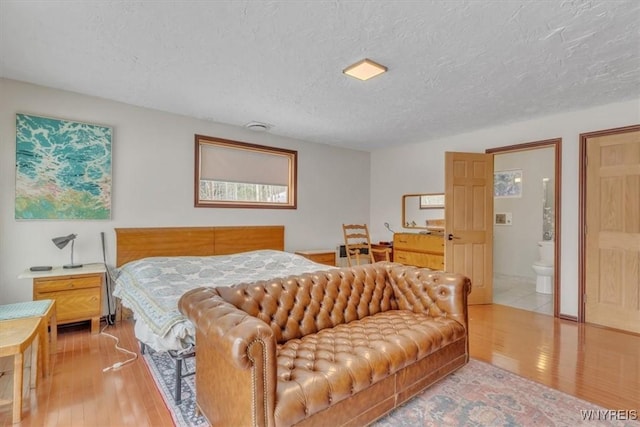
520, 292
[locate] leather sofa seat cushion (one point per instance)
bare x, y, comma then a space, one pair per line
335, 363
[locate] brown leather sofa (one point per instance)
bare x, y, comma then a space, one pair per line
336, 347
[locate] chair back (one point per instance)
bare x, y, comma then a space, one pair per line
357, 245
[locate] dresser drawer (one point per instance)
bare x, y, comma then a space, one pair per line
434, 262
65, 284
419, 242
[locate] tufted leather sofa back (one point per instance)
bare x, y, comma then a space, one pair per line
300, 305
424, 291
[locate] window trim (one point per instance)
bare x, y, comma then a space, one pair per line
291, 155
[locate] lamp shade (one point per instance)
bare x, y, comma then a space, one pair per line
62, 241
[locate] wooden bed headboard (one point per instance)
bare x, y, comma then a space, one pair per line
136, 243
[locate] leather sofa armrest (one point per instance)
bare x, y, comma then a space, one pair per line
234, 331
236, 352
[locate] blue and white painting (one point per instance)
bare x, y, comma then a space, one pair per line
63, 169
507, 183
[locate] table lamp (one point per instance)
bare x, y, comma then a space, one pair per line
61, 242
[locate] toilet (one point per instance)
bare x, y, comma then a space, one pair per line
544, 267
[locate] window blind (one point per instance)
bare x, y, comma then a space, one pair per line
238, 165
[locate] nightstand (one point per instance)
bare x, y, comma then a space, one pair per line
321, 256
77, 292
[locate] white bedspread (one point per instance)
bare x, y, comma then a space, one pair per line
151, 288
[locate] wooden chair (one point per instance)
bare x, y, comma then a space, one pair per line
358, 245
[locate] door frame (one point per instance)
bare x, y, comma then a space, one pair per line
556, 143
582, 209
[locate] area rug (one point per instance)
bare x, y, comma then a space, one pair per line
477, 395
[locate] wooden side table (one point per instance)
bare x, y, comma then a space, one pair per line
16, 335
45, 309
321, 256
77, 292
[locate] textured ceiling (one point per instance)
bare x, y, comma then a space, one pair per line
454, 66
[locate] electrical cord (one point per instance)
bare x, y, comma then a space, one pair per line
118, 365
108, 282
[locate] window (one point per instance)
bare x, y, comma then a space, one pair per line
242, 175
432, 201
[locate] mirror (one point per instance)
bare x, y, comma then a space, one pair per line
420, 211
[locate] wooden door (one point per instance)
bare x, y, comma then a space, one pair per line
612, 230
468, 221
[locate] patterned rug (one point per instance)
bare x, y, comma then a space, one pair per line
477, 395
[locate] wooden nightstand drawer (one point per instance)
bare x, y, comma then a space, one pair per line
76, 305
321, 257
67, 283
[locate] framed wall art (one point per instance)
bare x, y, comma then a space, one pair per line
63, 169
507, 183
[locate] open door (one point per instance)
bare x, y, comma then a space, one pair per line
469, 221
612, 228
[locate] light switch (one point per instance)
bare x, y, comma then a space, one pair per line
503, 218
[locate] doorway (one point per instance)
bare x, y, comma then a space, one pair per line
526, 215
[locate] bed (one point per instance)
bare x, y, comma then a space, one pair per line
155, 266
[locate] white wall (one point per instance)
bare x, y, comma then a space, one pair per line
153, 157
419, 168
515, 246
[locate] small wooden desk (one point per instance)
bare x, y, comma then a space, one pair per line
16, 335
379, 256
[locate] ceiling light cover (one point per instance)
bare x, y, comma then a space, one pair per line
365, 69
258, 127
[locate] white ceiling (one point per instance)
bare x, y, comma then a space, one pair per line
454, 66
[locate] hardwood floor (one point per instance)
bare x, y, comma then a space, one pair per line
78, 393
595, 364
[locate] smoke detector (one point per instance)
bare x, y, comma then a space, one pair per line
258, 127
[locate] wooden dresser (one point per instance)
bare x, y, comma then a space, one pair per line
422, 250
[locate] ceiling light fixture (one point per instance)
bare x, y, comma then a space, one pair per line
365, 69
258, 127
